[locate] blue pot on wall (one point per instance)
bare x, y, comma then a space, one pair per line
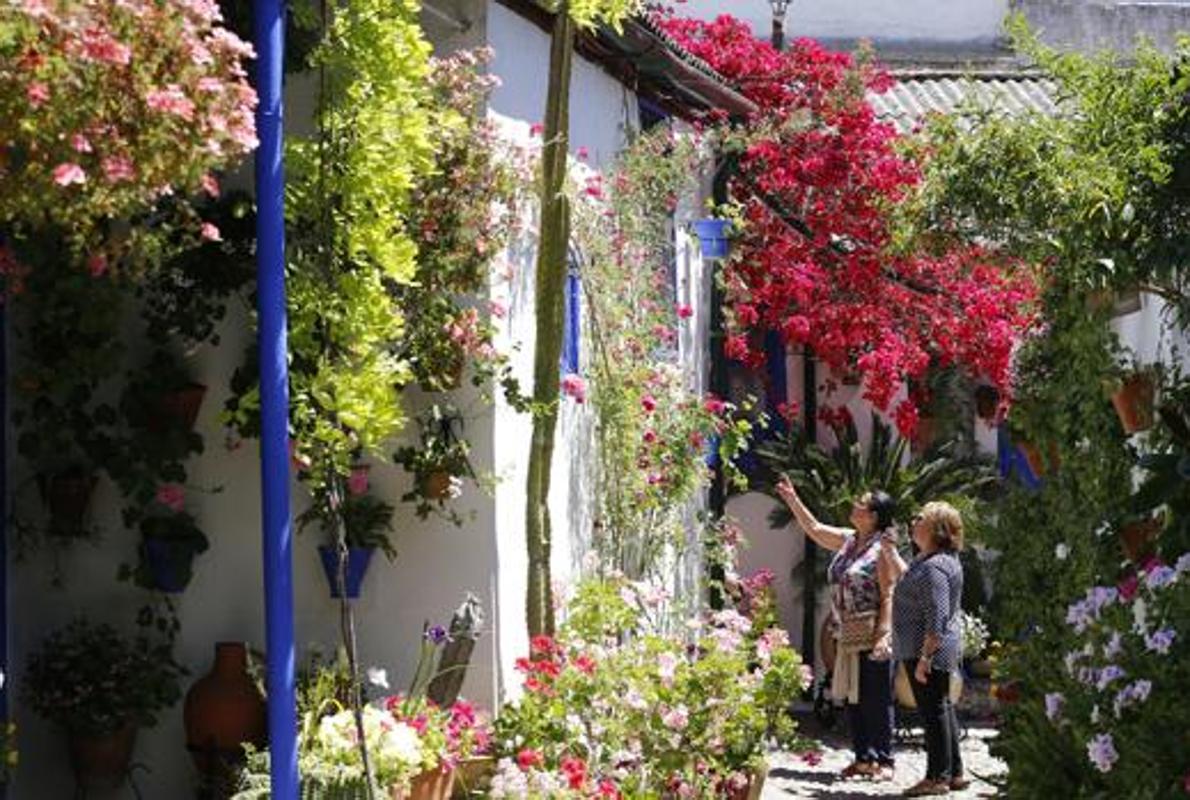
358, 559
712, 236
170, 566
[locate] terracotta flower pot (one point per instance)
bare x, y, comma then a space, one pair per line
102, 760
179, 409
473, 775
434, 785
1037, 461
927, 432
754, 787
224, 710
1134, 402
1137, 538
67, 497
436, 485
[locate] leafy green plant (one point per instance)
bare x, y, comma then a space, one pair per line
438, 463
90, 679
367, 522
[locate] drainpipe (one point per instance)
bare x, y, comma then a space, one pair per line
269, 34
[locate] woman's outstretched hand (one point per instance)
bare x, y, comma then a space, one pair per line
786, 491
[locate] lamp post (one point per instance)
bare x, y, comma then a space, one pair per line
779, 7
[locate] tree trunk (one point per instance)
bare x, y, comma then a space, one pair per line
550, 280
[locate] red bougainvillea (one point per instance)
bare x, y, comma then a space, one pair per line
817, 176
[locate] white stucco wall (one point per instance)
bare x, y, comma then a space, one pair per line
934, 21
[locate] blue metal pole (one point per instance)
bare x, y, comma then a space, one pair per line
269, 30
4, 529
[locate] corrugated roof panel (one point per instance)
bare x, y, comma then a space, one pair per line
912, 98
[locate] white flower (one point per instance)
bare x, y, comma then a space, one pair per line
1139, 616
401, 743
1061, 551
378, 677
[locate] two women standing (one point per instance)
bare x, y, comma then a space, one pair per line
917, 624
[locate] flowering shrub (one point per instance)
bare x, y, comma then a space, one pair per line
108, 106
817, 175
654, 426
611, 710
1118, 706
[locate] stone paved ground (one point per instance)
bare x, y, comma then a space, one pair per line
791, 777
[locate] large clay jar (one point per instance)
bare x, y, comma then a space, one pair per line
224, 710
100, 761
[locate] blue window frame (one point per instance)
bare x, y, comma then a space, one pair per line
572, 319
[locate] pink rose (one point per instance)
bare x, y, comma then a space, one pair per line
172, 496
210, 233
69, 173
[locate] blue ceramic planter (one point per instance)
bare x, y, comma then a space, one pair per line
712, 237
358, 559
168, 565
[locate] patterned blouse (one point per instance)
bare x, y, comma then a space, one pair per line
852, 577
927, 600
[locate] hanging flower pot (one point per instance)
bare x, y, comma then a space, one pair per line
358, 559
1034, 458
223, 711
1137, 537
67, 496
1134, 402
170, 564
433, 785
178, 409
473, 776
987, 402
712, 237
437, 485
101, 760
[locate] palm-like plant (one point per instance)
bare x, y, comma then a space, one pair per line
828, 482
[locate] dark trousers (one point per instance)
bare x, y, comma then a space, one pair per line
871, 719
944, 760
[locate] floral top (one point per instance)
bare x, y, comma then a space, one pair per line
852, 577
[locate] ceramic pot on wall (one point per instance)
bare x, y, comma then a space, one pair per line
101, 761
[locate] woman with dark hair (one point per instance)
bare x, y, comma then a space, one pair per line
861, 612
927, 638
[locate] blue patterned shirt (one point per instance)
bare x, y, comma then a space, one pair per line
928, 600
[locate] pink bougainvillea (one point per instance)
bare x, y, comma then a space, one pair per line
817, 176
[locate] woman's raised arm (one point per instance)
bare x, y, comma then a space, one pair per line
827, 536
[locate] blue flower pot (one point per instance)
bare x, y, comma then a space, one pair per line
712, 237
711, 453
358, 559
169, 565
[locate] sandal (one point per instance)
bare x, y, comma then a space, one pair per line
927, 788
884, 773
856, 769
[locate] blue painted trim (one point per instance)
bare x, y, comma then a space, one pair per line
269, 34
572, 328
777, 392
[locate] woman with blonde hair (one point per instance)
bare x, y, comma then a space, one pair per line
927, 638
861, 608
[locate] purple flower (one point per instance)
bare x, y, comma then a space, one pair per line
1183, 563
1108, 674
437, 635
1102, 752
1160, 576
1159, 641
1054, 701
1136, 692
1113, 646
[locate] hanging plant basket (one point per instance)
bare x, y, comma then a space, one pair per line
169, 563
1138, 537
436, 485
713, 238
67, 497
434, 785
178, 409
101, 760
1134, 402
1036, 459
358, 559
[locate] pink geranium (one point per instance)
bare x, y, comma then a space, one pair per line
574, 387
357, 482
172, 496
69, 174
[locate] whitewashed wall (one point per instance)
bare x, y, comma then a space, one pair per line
956, 22
438, 563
